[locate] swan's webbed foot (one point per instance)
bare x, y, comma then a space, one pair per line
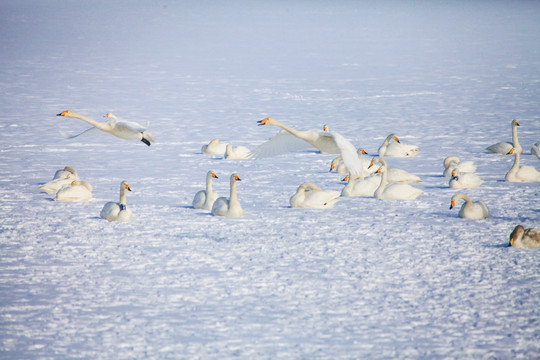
145, 141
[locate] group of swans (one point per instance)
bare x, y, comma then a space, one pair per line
220, 206
67, 186
61, 178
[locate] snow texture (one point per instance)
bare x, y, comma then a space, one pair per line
369, 279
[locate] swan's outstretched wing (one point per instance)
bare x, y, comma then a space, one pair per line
280, 143
84, 133
349, 154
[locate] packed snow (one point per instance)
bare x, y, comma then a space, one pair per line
368, 278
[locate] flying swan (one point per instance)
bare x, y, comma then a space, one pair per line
229, 207
505, 147
113, 211
470, 209
122, 129
521, 173
311, 196
204, 199
525, 238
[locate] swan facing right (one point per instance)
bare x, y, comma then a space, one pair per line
525, 238
229, 207
113, 211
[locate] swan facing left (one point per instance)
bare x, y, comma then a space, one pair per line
470, 209
113, 211
311, 196
525, 238
127, 130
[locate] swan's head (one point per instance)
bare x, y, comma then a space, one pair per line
396, 138
346, 178
235, 177
325, 128
334, 163
516, 234
452, 204
375, 160
110, 116
125, 185
212, 174
266, 121
515, 123
512, 150
67, 113
361, 151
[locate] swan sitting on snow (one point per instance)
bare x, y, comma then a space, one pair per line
65, 172
360, 186
236, 152
525, 238
505, 147
452, 162
521, 173
214, 147
464, 180
311, 196
395, 174
470, 209
53, 186
397, 191
229, 207
127, 130
204, 199
113, 211
535, 149
396, 149
76, 191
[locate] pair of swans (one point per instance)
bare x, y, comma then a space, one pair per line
461, 180
452, 162
214, 147
524, 238
396, 149
127, 130
505, 147
229, 207
310, 196
519, 173
204, 199
397, 190
77, 190
470, 209
118, 211
61, 178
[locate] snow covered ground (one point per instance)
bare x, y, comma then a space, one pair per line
367, 279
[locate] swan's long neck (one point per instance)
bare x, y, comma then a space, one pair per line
289, 129
515, 141
233, 198
384, 180
92, 122
514, 169
464, 197
123, 196
449, 160
208, 183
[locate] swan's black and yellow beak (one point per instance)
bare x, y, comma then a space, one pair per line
511, 241
262, 122
364, 152
63, 113
395, 137
346, 178
127, 187
237, 178
370, 164
452, 204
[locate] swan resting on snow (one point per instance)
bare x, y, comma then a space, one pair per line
311, 196
505, 147
113, 211
204, 199
53, 186
535, 149
465, 180
76, 191
396, 149
127, 130
236, 152
470, 209
519, 173
452, 162
525, 238
214, 147
398, 191
358, 186
229, 207
65, 172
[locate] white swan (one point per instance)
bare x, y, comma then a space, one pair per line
521, 173
358, 186
113, 211
311, 196
236, 152
452, 162
464, 180
65, 172
229, 207
535, 149
398, 191
396, 149
505, 147
204, 199
394, 174
470, 209
76, 191
122, 129
341, 168
214, 147
525, 238
53, 186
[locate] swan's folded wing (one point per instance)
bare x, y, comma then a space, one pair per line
280, 143
90, 131
349, 154
132, 125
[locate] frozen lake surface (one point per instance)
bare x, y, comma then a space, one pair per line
367, 279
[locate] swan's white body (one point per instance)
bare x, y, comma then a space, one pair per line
452, 162
535, 149
236, 152
53, 186
229, 207
76, 191
464, 180
65, 172
470, 209
358, 186
397, 191
127, 130
396, 149
113, 211
204, 199
311, 196
394, 174
214, 147
519, 173
525, 238
505, 147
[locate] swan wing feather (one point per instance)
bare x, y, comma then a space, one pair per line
280, 143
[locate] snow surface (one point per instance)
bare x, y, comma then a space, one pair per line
367, 279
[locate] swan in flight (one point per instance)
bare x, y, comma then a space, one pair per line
396, 149
236, 152
470, 209
464, 180
229, 207
214, 147
394, 174
127, 130
525, 238
76, 191
311, 196
326, 141
204, 199
535, 149
452, 162
113, 211
398, 191
505, 147
521, 173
